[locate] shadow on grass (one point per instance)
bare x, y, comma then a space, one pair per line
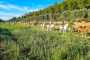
5, 37
5, 34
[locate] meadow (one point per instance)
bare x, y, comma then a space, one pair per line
20, 42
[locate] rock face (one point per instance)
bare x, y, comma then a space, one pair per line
82, 26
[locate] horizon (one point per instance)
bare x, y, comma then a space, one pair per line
16, 8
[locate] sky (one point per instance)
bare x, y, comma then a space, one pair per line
15, 8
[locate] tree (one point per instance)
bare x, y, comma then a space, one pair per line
1, 20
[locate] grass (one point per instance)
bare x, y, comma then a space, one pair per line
30, 43
12, 27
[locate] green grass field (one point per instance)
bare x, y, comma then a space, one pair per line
20, 42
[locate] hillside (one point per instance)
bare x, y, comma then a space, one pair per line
31, 44
67, 40
59, 7
56, 8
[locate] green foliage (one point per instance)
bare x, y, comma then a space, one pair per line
57, 8
9, 50
22, 42
34, 44
39, 45
13, 26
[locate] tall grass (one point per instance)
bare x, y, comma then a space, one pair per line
33, 44
39, 45
13, 27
